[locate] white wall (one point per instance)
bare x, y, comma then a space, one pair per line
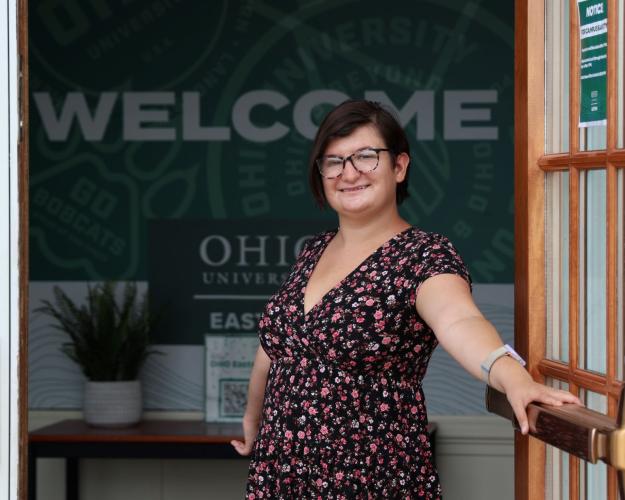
475, 459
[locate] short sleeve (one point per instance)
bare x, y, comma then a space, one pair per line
437, 255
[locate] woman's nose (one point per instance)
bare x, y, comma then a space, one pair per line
349, 171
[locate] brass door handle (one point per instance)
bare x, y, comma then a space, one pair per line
585, 433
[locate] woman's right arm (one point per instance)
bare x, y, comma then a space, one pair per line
255, 397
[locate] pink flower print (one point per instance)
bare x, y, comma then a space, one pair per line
370, 302
386, 340
319, 482
339, 475
325, 391
399, 438
384, 407
335, 317
360, 319
303, 363
363, 268
373, 447
359, 289
301, 434
312, 410
324, 430
306, 450
292, 308
422, 438
414, 410
354, 393
378, 314
322, 336
288, 434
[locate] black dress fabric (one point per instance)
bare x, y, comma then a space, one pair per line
344, 414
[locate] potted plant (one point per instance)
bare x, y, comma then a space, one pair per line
109, 340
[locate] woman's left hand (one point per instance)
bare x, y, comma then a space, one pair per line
522, 394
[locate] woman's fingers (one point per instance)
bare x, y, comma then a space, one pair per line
541, 394
241, 447
521, 416
556, 397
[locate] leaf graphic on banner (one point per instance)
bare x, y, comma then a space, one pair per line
85, 217
171, 195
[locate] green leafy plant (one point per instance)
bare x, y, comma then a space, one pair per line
109, 338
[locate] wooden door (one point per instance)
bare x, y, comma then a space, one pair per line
569, 184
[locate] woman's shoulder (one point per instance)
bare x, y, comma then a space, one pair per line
421, 237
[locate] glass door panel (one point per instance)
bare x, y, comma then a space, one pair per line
619, 74
592, 270
557, 264
593, 478
593, 138
556, 76
620, 265
557, 461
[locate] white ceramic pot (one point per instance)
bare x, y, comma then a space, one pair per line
112, 404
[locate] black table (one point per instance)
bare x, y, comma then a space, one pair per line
73, 440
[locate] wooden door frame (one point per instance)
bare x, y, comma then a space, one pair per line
529, 289
15, 282
23, 197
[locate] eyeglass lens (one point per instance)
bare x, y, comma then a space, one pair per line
364, 161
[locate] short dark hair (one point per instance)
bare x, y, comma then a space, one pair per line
341, 122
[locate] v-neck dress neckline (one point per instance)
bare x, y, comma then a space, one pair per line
330, 235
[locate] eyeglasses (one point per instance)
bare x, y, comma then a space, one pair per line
364, 160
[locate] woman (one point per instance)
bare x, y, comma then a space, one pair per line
335, 406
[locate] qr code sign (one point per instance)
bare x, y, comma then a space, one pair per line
232, 397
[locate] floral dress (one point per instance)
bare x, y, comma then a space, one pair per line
344, 413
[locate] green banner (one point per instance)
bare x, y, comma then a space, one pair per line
215, 277
593, 33
151, 109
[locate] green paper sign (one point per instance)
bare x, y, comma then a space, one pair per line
593, 34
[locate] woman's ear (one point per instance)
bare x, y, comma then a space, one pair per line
402, 160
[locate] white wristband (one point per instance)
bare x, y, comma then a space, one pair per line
504, 350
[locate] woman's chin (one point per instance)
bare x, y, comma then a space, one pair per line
353, 207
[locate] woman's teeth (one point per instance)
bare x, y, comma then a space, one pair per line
358, 188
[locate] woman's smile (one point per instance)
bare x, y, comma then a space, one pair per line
354, 189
